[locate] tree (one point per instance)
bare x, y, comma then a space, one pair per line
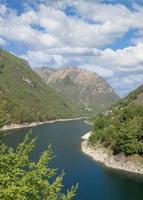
129, 138
1, 67
24, 179
2, 121
99, 123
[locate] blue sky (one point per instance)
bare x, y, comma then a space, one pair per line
104, 36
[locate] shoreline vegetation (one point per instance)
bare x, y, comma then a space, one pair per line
133, 164
33, 124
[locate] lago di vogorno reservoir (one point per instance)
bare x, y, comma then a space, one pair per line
95, 180
71, 100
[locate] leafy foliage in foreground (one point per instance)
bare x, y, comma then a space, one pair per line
23, 179
121, 128
24, 97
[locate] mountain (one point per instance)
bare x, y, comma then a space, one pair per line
24, 97
135, 97
121, 127
85, 90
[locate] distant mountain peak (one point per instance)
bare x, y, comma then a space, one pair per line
83, 88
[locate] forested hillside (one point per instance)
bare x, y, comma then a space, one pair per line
24, 97
121, 127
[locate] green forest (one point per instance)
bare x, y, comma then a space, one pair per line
121, 127
24, 97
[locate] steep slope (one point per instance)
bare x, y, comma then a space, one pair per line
117, 136
135, 97
86, 91
24, 97
121, 127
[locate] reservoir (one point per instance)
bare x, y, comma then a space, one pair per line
96, 182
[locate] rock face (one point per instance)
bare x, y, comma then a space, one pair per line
87, 91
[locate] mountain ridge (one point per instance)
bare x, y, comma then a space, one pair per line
24, 97
84, 89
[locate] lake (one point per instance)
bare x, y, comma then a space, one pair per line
96, 182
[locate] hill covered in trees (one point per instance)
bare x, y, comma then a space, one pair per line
24, 97
121, 128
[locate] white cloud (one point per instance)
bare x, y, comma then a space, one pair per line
102, 71
127, 83
55, 39
3, 9
40, 58
2, 41
129, 56
111, 22
74, 51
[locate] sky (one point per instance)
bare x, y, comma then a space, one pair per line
104, 36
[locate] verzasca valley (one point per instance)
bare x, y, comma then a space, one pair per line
71, 100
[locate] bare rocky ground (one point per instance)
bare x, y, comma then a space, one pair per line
132, 163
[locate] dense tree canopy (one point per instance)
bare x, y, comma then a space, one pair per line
2, 121
24, 97
121, 129
24, 179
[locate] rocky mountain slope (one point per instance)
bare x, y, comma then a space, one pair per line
85, 90
24, 97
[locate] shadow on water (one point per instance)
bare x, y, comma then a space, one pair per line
96, 182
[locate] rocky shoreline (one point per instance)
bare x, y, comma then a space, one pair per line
88, 122
132, 164
26, 125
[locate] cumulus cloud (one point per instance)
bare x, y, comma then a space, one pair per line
2, 41
102, 71
42, 58
55, 37
109, 23
126, 83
